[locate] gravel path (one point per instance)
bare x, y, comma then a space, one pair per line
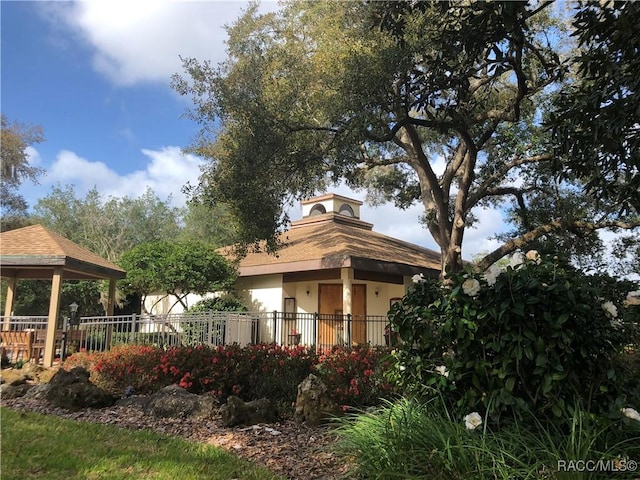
287, 448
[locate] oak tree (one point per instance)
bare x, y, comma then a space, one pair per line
15, 169
379, 94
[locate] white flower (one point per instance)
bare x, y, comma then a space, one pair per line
610, 308
402, 368
534, 256
492, 274
517, 259
472, 421
471, 287
442, 370
633, 298
631, 413
418, 278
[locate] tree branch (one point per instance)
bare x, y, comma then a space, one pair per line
480, 192
551, 227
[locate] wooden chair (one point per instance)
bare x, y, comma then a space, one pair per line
39, 339
18, 343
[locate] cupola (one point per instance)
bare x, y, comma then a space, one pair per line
331, 208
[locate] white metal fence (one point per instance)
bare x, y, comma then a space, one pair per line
209, 328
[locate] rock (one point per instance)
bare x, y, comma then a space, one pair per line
72, 390
23, 379
38, 392
174, 401
13, 390
313, 405
238, 412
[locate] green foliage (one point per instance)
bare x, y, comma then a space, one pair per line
595, 124
377, 94
251, 372
209, 223
175, 268
539, 336
426, 441
32, 297
15, 169
219, 304
107, 226
353, 377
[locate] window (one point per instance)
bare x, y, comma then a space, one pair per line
317, 210
346, 210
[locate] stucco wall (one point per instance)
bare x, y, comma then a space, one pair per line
261, 294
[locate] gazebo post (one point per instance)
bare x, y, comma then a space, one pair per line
54, 308
8, 304
112, 297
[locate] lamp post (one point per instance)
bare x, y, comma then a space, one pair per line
73, 308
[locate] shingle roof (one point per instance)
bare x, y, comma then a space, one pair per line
332, 241
36, 248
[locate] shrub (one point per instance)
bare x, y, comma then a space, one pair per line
219, 304
355, 377
251, 372
538, 336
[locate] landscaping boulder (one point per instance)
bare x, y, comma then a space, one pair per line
72, 390
313, 405
174, 401
16, 388
238, 412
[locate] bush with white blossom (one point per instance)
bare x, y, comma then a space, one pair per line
535, 336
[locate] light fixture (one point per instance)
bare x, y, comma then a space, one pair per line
308, 291
377, 292
73, 308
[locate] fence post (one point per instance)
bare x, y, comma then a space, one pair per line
315, 330
132, 337
348, 330
275, 328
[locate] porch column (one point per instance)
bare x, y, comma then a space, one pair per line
112, 297
8, 305
346, 273
54, 308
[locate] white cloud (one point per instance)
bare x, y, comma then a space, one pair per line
167, 171
33, 157
137, 41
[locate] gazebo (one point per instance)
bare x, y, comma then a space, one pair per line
36, 252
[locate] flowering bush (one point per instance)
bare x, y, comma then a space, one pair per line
536, 336
122, 366
251, 372
355, 377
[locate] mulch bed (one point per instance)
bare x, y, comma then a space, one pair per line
287, 448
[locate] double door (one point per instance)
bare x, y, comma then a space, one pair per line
332, 324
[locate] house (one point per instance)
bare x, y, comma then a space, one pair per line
334, 265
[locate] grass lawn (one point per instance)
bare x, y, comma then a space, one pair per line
42, 446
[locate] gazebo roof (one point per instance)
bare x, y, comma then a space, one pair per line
35, 251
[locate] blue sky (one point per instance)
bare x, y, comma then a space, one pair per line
96, 76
